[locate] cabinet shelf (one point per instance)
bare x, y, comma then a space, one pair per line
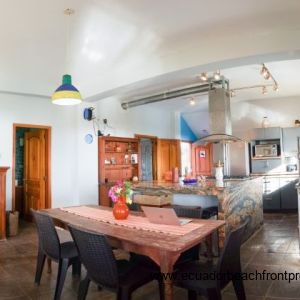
120, 165
121, 152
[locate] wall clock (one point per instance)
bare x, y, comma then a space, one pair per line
88, 138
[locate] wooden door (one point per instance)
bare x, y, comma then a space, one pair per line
34, 171
168, 156
146, 159
202, 160
175, 155
164, 158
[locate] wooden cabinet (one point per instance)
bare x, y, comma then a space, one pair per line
202, 160
168, 156
118, 159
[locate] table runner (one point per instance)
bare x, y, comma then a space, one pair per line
135, 222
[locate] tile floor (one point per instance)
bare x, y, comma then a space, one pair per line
273, 248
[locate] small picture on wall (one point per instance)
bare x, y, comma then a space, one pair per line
202, 153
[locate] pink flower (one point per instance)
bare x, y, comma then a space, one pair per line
121, 189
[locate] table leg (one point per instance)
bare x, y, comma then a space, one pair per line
209, 245
167, 261
49, 265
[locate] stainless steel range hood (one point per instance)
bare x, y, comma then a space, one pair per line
219, 118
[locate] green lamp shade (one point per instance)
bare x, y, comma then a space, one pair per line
66, 94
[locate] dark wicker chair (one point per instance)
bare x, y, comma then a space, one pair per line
64, 253
229, 265
120, 276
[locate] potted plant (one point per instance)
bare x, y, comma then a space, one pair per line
120, 195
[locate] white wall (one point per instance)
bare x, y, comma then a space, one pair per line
25, 110
281, 112
125, 123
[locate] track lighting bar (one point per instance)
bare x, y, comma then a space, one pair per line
185, 91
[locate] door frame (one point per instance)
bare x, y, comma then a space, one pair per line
48, 200
154, 153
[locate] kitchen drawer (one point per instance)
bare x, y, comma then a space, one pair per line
265, 165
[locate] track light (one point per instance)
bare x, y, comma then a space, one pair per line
276, 88
203, 76
264, 90
217, 75
265, 72
232, 93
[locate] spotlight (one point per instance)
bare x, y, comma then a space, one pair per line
264, 90
217, 75
203, 76
232, 93
265, 72
192, 102
276, 88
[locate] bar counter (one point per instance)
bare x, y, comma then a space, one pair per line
238, 201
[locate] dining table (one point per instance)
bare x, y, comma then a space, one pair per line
162, 243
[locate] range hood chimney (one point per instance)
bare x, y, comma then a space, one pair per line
219, 118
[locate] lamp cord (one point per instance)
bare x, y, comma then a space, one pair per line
68, 12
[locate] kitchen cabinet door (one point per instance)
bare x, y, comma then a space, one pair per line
269, 133
265, 165
272, 201
288, 194
202, 160
289, 140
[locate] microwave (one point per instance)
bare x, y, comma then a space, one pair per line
266, 150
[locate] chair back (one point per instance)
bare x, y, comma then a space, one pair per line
229, 261
97, 256
48, 238
194, 212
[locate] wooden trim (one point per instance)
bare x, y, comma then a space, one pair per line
140, 136
119, 139
48, 200
3, 171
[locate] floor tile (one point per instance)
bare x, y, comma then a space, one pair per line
274, 248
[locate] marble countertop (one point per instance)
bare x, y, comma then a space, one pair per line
277, 174
207, 188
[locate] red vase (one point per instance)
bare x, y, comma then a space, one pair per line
120, 209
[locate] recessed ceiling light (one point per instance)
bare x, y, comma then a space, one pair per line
203, 76
192, 102
217, 75
232, 93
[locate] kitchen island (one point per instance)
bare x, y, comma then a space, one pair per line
238, 201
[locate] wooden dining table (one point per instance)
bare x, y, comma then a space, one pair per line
162, 246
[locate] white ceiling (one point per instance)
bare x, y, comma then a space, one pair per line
116, 43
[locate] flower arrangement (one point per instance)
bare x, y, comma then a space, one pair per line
121, 190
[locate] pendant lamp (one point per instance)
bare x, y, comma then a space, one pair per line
66, 93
